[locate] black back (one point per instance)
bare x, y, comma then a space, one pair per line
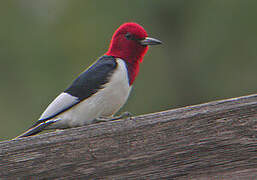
93, 78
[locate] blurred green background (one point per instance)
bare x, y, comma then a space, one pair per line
209, 52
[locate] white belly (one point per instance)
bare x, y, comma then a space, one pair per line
106, 102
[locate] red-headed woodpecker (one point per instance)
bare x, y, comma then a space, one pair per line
103, 88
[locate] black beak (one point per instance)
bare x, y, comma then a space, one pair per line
150, 41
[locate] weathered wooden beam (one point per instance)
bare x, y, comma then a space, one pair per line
214, 140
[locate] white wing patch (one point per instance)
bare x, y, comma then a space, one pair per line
61, 103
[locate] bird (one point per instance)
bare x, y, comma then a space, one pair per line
99, 92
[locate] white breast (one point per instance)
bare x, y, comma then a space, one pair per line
106, 102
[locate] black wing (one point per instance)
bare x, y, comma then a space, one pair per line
87, 84
93, 79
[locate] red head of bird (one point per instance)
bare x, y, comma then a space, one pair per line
130, 43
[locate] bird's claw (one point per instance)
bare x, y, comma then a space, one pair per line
122, 116
126, 115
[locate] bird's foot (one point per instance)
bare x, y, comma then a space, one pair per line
122, 116
104, 119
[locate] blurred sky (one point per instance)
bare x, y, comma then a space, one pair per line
209, 52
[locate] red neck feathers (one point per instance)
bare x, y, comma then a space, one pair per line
125, 45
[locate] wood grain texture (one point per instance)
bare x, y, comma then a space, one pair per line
216, 140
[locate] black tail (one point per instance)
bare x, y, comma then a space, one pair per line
36, 129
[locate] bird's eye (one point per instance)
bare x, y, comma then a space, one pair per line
129, 36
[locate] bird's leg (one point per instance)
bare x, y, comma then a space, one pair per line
122, 116
103, 119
